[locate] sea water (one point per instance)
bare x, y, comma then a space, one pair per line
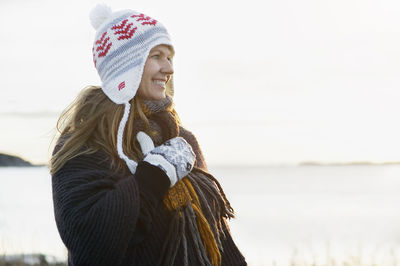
283, 213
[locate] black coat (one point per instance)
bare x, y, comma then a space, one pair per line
107, 219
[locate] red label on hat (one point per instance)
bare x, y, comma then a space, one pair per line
121, 85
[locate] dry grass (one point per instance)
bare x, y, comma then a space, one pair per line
27, 259
388, 257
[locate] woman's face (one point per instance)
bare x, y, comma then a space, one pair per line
157, 73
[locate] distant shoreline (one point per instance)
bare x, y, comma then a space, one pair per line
8, 160
305, 164
346, 163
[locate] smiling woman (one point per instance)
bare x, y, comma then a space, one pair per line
130, 183
157, 73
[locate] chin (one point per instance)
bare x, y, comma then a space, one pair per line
159, 97
162, 96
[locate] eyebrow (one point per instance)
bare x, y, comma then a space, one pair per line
170, 49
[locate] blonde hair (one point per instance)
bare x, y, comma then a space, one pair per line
91, 123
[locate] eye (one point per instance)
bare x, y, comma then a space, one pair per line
156, 56
169, 59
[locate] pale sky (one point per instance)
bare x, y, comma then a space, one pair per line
258, 82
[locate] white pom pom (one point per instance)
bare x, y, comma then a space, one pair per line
99, 14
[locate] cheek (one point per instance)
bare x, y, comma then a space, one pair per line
146, 77
151, 68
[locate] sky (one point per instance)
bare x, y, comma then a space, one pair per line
257, 82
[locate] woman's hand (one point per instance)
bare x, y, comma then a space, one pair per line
175, 156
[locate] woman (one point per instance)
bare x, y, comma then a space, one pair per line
130, 184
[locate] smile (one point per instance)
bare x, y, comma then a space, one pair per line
160, 82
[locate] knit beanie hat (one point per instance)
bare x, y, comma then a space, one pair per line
122, 44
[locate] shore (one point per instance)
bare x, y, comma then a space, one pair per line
8, 160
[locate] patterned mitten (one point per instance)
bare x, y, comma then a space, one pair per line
175, 156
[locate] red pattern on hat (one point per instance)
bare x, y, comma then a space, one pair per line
124, 30
148, 20
94, 57
104, 45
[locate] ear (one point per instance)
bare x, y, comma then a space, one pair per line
146, 143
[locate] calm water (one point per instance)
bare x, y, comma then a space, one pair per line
304, 213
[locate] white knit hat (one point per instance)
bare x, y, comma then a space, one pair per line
120, 50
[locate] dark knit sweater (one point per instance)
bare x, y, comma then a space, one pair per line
105, 218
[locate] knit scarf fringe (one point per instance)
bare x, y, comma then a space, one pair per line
194, 222
193, 215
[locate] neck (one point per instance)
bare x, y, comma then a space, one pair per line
161, 117
150, 107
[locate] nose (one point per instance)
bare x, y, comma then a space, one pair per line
167, 68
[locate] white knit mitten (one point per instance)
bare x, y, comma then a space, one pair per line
175, 156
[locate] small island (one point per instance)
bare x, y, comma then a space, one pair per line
356, 163
13, 161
